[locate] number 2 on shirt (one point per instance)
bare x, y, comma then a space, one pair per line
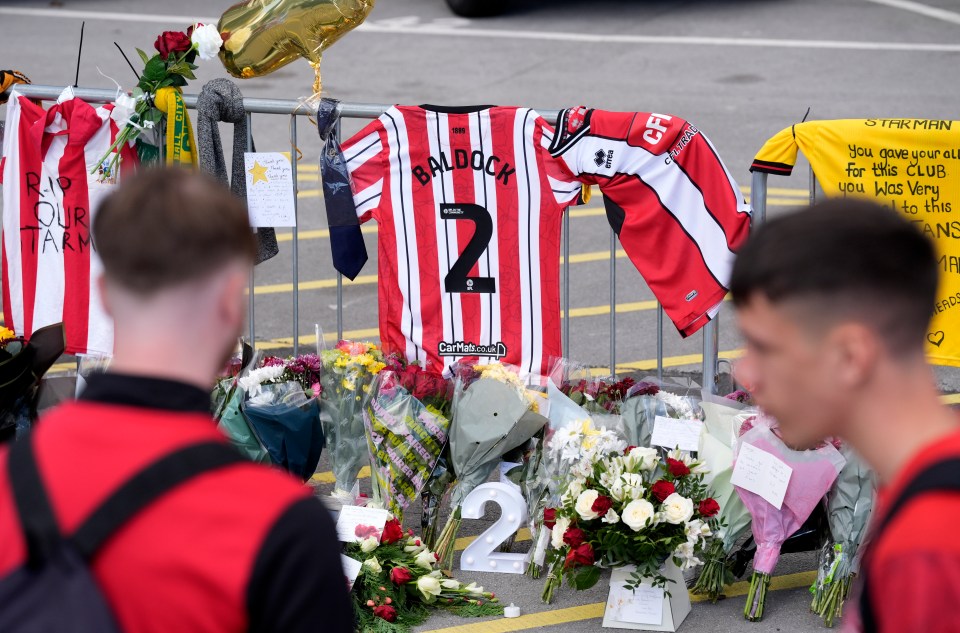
457, 280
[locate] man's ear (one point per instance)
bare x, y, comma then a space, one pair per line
855, 350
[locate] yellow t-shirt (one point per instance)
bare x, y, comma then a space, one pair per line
910, 165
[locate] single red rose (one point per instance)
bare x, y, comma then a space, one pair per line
392, 532
386, 612
627, 450
170, 42
709, 508
677, 468
574, 537
549, 518
580, 555
400, 575
662, 489
429, 385
601, 505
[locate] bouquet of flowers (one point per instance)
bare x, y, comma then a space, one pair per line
228, 395
647, 400
814, 472
630, 509
348, 372
493, 413
577, 435
849, 507
407, 419
598, 396
284, 413
723, 418
171, 67
400, 582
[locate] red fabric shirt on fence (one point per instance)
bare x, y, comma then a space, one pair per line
469, 206
915, 567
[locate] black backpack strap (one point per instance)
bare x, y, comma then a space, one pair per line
147, 486
37, 519
943, 476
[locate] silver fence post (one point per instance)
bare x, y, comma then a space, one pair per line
252, 312
659, 342
758, 196
296, 251
566, 283
711, 354
613, 303
339, 133
813, 187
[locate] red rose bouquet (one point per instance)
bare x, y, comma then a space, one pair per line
399, 583
632, 508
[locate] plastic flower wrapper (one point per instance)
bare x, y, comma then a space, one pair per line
574, 439
493, 413
400, 583
723, 418
646, 400
287, 422
407, 431
348, 371
228, 395
849, 507
814, 472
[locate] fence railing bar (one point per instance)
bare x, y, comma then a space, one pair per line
296, 244
613, 303
813, 187
566, 283
338, 131
252, 310
758, 197
711, 354
659, 342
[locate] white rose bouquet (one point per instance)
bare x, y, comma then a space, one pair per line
630, 508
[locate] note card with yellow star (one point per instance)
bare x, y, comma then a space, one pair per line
270, 197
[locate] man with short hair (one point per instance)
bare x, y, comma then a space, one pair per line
834, 303
239, 548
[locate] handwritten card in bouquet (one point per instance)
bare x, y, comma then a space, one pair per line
352, 517
351, 569
762, 473
644, 605
269, 189
670, 433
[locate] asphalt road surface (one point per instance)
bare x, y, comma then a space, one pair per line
741, 70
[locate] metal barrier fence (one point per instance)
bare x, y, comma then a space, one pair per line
294, 109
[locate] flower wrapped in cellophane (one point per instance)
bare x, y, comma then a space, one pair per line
400, 582
629, 508
228, 395
646, 400
849, 507
580, 430
282, 407
408, 420
494, 412
723, 418
813, 473
348, 372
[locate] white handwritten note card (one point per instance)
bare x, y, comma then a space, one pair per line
370, 522
351, 569
671, 433
641, 606
762, 473
269, 189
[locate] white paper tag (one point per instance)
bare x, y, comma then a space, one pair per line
351, 569
670, 433
644, 605
762, 473
269, 189
540, 551
352, 517
505, 468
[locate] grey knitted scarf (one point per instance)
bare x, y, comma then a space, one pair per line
220, 100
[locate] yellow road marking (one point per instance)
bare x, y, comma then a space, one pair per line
523, 534
595, 610
328, 478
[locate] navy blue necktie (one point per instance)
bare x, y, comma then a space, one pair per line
346, 241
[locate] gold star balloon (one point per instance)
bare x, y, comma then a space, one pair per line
260, 36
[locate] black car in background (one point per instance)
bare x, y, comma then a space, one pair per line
477, 8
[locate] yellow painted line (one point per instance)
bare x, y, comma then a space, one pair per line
595, 610
328, 478
308, 340
953, 398
670, 361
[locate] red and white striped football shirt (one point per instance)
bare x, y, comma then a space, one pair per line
469, 206
678, 212
49, 198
